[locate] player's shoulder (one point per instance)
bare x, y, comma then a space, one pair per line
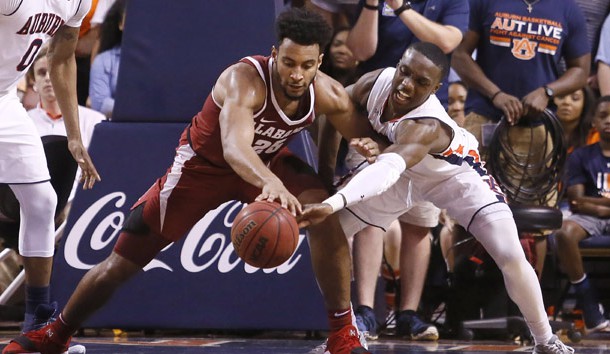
242, 74
330, 94
9, 7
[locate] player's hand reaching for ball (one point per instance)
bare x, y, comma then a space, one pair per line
89, 174
275, 191
366, 147
313, 214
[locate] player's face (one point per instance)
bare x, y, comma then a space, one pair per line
601, 120
415, 80
295, 67
42, 81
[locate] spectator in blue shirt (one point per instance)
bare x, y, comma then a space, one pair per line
105, 67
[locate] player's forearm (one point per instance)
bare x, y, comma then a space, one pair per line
248, 165
371, 181
63, 79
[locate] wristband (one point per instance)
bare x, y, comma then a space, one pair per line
494, 95
406, 5
336, 202
371, 7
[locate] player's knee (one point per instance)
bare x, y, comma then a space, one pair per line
42, 205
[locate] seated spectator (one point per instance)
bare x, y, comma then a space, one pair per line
588, 194
340, 64
47, 116
457, 102
573, 112
105, 67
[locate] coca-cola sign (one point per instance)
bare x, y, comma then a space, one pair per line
201, 250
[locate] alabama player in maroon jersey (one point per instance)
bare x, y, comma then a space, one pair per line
235, 148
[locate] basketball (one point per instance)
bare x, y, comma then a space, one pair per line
264, 234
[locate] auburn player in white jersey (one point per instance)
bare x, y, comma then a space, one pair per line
432, 159
25, 26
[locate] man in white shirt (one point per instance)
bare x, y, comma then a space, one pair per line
47, 116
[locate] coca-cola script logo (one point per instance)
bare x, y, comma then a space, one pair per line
201, 250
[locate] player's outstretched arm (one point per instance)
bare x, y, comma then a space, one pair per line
62, 70
415, 139
241, 92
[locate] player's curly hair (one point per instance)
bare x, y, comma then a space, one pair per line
303, 27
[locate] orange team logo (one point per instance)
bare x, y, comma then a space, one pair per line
523, 48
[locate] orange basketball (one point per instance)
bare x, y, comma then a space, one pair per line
264, 234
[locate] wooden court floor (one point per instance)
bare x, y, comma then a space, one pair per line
139, 342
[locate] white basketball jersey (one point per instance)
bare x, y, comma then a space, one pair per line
461, 154
26, 26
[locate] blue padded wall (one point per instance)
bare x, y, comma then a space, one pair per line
173, 51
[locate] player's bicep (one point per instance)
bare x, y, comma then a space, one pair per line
236, 123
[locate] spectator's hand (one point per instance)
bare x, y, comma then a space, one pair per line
582, 207
535, 102
275, 190
314, 214
510, 105
89, 174
366, 147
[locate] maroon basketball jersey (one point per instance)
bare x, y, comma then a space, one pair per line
272, 128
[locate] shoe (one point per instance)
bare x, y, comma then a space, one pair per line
347, 340
554, 346
366, 322
43, 315
43, 341
408, 324
594, 318
599, 327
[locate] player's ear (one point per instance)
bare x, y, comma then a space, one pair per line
438, 86
320, 60
273, 52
